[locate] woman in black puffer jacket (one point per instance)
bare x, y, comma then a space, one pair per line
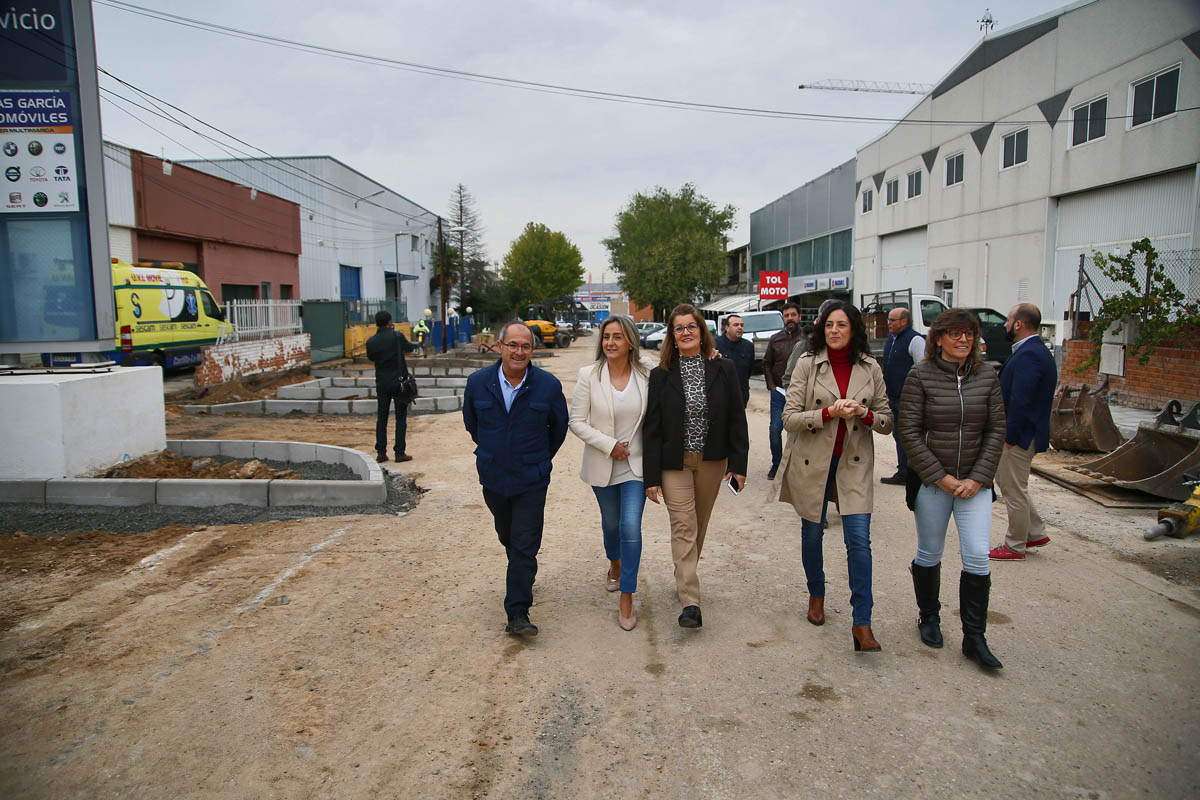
952, 430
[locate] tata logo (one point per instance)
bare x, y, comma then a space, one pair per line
61, 173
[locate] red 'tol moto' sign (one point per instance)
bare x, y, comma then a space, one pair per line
772, 286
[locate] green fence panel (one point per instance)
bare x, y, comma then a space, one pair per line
325, 322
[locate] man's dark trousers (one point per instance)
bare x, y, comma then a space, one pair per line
386, 399
518, 521
901, 456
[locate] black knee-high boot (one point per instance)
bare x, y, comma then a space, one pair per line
927, 584
973, 591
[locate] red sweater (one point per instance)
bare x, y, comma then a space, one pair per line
839, 360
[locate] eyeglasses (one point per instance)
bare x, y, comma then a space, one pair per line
520, 347
691, 327
956, 335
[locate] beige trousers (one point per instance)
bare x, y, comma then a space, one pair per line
1012, 479
689, 495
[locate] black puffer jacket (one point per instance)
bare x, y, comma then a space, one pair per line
950, 425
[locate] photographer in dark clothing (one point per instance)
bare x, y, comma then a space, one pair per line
386, 350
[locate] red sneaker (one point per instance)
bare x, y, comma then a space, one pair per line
1045, 540
1003, 553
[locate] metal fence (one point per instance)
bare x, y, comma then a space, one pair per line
363, 311
1182, 267
264, 319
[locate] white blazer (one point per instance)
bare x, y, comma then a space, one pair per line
592, 421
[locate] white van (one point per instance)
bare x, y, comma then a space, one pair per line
760, 326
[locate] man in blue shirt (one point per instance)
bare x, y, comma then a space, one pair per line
1027, 381
733, 345
517, 416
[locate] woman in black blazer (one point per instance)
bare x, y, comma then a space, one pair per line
693, 438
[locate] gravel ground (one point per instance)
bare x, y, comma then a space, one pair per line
403, 495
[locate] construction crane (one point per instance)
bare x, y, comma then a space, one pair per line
882, 87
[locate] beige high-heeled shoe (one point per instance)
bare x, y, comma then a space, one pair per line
627, 623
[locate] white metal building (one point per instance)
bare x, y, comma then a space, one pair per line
1071, 132
359, 238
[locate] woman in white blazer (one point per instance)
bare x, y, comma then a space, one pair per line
607, 414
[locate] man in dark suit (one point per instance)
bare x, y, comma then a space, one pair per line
1027, 381
386, 349
732, 344
517, 416
904, 347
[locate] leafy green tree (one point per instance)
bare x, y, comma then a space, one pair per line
542, 265
1148, 300
669, 247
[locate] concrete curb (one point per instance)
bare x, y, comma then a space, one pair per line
370, 489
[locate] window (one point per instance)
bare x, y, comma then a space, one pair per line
1154, 97
954, 169
930, 310
868, 200
914, 184
416, 243
1089, 121
893, 191
1016, 148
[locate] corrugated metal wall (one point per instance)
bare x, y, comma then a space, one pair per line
905, 259
118, 186
821, 206
1162, 208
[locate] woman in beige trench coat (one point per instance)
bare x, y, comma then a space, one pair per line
836, 398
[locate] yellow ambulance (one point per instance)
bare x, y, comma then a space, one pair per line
164, 317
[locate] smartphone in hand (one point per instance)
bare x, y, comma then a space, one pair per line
732, 484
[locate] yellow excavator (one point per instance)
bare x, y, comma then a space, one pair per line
540, 321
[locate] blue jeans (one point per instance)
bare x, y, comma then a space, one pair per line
776, 431
519, 519
901, 456
621, 521
972, 517
856, 531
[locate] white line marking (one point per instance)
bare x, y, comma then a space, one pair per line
292, 570
151, 562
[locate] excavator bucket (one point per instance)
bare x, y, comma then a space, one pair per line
1081, 421
1157, 459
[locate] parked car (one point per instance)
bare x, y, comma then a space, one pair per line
647, 328
991, 321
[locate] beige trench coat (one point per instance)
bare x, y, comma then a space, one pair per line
809, 451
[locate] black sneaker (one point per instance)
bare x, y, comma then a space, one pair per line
690, 618
899, 479
771, 472
521, 626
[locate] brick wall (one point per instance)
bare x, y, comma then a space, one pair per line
226, 362
1172, 373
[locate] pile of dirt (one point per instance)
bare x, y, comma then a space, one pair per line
166, 464
251, 387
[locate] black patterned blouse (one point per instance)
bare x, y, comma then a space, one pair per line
695, 415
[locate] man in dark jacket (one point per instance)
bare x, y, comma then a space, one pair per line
738, 349
517, 417
386, 349
904, 347
779, 347
1027, 381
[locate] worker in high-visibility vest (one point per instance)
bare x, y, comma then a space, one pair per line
421, 332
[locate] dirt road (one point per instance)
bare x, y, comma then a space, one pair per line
362, 657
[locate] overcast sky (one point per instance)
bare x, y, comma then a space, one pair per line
567, 162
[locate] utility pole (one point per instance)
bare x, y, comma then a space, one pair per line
442, 280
